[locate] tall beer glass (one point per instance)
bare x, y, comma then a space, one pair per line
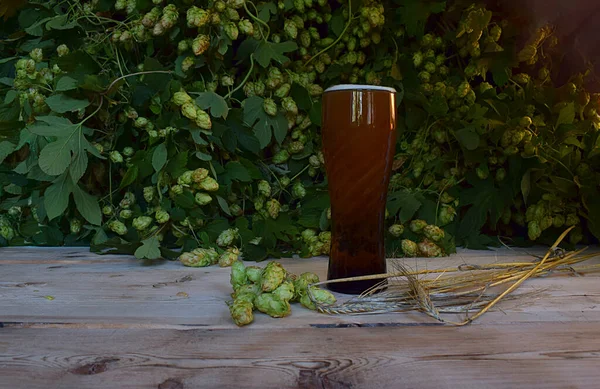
359, 138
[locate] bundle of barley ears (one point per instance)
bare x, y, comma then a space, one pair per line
469, 289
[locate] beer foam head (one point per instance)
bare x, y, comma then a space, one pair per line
359, 87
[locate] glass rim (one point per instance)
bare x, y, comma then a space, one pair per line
342, 87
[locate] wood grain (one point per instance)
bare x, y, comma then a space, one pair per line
113, 322
532, 355
117, 290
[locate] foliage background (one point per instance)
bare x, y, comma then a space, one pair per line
107, 107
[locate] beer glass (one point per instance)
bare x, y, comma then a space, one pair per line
359, 138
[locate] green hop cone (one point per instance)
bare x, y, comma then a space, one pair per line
396, 230
117, 227
126, 214
208, 184
202, 198
272, 276
558, 221
295, 147
148, 192
189, 110
447, 214
227, 237
321, 296
417, 59
7, 232
199, 175
429, 249
254, 274
270, 107
115, 156
107, 210
128, 151
62, 50
142, 222
245, 26
203, 119
281, 157
199, 257
500, 174
269, 304
307, 234
522, 78
409, 248
273, 207
290, 28
298, 190
259, 88
241, 313
302, 282
417, 225
533, 230
289, 105
463, 89
185, 178
283, 90
229, 257
232, 31
285, 291
238, 274
546, 222
162, 216
572, 220
495, 33
75, 226
200, 44
264, 188
433, 232
575, 236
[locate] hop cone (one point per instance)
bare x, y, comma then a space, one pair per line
269, 304
272, 276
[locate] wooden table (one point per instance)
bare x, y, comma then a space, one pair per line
70, 319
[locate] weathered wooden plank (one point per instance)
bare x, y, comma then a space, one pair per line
548, 355
123, 291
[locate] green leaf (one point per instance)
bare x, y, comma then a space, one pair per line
414, 14
468, 138
6, 148
56, 197
405, 202
62, 103
217, 104
337, 23
61, 22
130, 176
264, 125
66, 83
526, 185
203, 156
234, 170
87, 205
55, 158
567, 115
223, 204
265, 10
185, 200
159, 157
177, 164
269, 51
150, 249
78, 166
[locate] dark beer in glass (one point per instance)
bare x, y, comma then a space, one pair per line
359, 138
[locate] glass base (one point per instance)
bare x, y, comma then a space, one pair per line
354, 287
